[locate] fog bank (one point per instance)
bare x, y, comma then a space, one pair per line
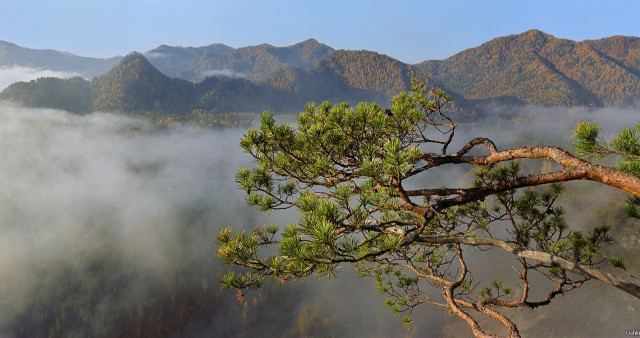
9, 75
108, 224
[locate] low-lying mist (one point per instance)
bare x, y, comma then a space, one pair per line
9, 75
108, 227
98, 204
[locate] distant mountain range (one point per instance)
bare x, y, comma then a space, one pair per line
14, 55
254, 62
528, 68
538, 68
189, 63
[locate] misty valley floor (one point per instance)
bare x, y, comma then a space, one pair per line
109, 226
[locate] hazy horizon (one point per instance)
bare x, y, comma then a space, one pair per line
109, 221
79, 189
407, 30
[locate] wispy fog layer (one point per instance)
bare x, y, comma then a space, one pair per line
127, 214
73, 186
156, 55
544, 125
109, 218
9, 75
223, 72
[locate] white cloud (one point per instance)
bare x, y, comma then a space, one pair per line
156, 55
223, 72
9, 75
68, 180
75, 185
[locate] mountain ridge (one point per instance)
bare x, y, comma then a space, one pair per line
252, 62
136, 85
532, 67
540, 69
13, 55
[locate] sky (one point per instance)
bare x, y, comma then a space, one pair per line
409, 30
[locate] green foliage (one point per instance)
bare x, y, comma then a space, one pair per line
617, 262
73, 95
136, 86
331, 148
407, 321
537, 223
588, 143
345, 170
626, 145
630, 208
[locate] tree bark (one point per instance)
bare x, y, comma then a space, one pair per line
541, 257
578, 168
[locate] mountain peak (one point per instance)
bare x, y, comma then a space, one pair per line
532, 38
537, 68
134, 65
220, 46
536, 33
7, 43
133, 57
309, 43
529, 41
312, 44
147, 89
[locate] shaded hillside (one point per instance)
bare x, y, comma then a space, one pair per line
372, 72
136, 86
321, 83
528, 68
253, 62
624, 50
538, 68
257, 62
190, 63
180, 61
14, 55
73, 95
350, 76
223, 94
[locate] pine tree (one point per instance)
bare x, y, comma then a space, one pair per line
346, 171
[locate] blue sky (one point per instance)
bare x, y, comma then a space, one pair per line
409, 30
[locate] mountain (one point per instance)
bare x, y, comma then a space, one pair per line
537, 68
528, 68
73, 95
14, 55
624, 50
180, 61
134, 85
253, 62
350, 76
372, 72
189, 63
257, 62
